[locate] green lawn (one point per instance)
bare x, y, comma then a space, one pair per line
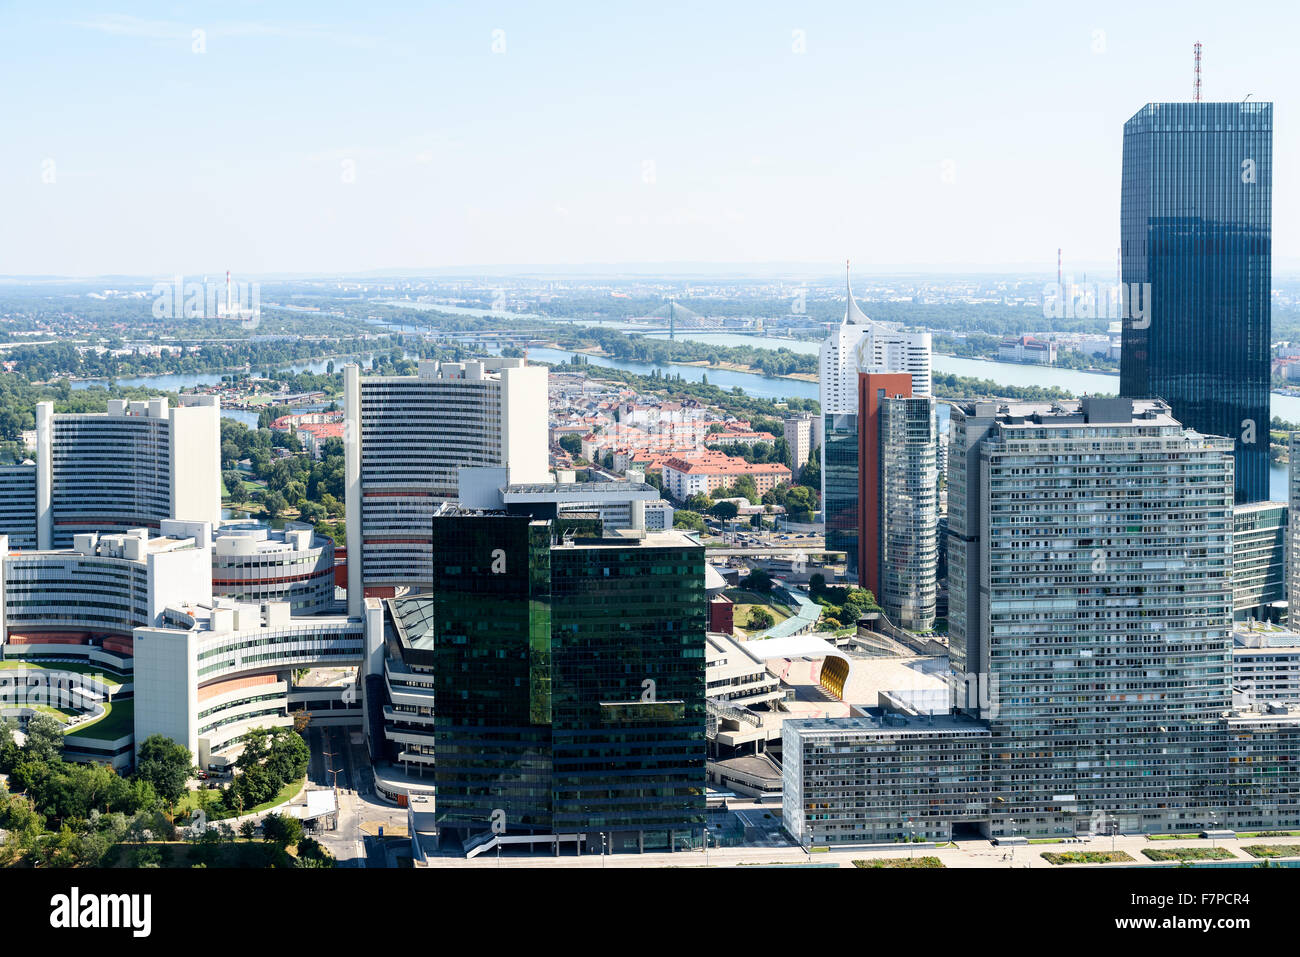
117, 721
61, 715
745, 600
111, 679
900, 862
1273, 850
1187, 853
1085, 857
190, 800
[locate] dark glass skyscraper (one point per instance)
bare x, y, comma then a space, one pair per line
1196, 224
569, 680
840, 479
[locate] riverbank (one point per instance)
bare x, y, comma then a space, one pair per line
703, 364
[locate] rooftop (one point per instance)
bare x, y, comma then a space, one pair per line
875, 720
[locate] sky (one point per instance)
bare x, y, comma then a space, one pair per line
335, 138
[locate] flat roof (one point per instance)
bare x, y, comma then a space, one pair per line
875, 720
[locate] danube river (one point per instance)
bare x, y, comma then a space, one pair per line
767, 387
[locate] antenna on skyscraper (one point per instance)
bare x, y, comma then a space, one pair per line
1196, 89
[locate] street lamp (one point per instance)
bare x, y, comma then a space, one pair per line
1214, 822
911, 839
603, 845
1114, 827
706, 847
1013, 841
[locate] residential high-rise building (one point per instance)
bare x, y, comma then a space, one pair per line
857, 345
802, 435
406, 438
1196, 249
1090, 551
1259, 559
569, 678
898, 498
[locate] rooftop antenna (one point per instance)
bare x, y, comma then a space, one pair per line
1196, 89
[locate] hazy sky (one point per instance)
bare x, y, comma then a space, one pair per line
333, 137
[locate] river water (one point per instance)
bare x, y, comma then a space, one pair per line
767, 387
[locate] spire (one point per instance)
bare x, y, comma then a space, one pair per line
852, 314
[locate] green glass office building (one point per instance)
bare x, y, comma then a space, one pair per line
569, 681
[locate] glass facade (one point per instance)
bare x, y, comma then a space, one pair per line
492, 638
909, 511
840, 476
1258, 558
629, 714
569, 679
1196, 224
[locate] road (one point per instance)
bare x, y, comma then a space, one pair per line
343, 749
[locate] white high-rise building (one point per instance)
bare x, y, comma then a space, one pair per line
405, 440
856, 345
134, 466
859, 344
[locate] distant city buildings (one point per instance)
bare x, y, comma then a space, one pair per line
1027, 349
1196, 239
703, 473
803, 435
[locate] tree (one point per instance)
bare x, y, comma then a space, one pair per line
275, 504
282, 829
683, 518
571, 444
44, 739
811, 474
725, 510
312, 512
166, 765
759, 619
757, 580
235, 490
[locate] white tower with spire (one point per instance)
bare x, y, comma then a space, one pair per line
860, 344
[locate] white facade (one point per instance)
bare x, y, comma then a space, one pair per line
134, 466
858, 344
412, 434
803, 436
252, 563
210, 673
79, 600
